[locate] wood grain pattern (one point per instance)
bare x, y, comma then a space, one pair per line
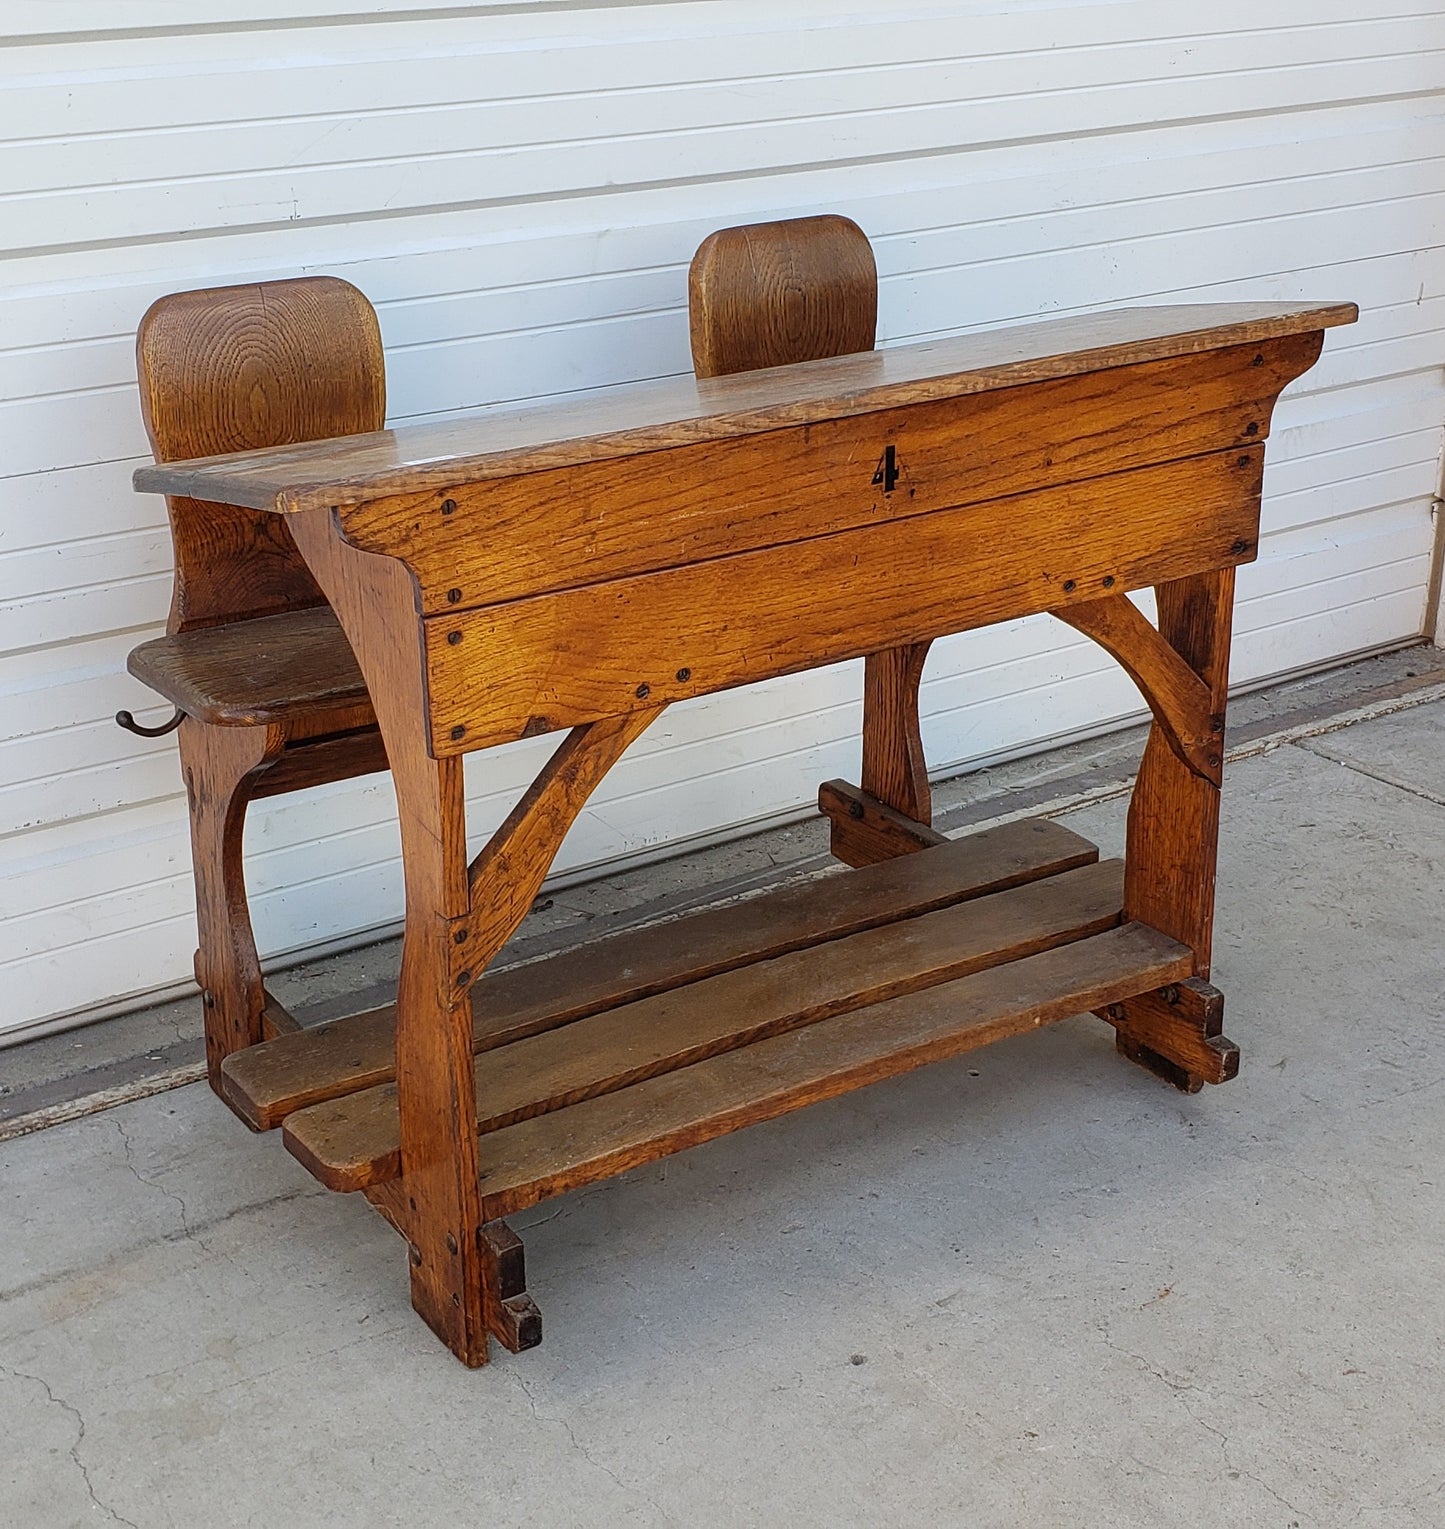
772, 294
865, 831
599, 1138
1181, 1025
612, 648
498, 540
1181, 702
220, 767
235, 368
351, 1143
894, 769
1173, 831
254, 672
506, 876
317, 761
645, 417
266, 1083
441, 1217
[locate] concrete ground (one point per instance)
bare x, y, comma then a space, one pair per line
1033, 1286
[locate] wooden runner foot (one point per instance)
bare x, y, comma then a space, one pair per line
512, 1315
1176, 1033
866, 830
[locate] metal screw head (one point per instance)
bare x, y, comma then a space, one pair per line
855, 809
460, 937
451, 1243
1239, 548
1108, 581
208, 999
463, 978
1069, 586
414, 1253
453, 596
459, 731
449, 506
453, 638
643, 691
1252, 428
683, 676
456, 1299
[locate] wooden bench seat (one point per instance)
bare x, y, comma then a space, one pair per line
270, 669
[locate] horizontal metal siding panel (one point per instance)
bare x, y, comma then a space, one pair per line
525, 233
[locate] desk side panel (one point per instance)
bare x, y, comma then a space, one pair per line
552, 661
502, 539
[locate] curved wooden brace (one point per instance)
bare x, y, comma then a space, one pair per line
504, 879
1178, 697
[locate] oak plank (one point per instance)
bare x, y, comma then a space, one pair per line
484, 542
267, 669
599, 1138
609, 648
353, 1142
265, 1083
652, 416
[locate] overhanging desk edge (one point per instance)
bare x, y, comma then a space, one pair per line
276, 480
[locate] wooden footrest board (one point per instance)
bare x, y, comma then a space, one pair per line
529, 1162
354, 1142
266, 1083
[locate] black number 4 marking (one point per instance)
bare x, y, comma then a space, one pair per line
887, 471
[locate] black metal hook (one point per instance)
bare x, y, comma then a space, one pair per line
129, 723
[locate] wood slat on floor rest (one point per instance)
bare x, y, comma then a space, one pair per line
265, 1083
352, 1143
594, 1140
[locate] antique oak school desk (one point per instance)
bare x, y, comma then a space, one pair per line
577, 567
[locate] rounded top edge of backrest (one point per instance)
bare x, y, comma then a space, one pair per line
787, 290
253, 364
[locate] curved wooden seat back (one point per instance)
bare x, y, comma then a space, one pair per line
771, 294
235, 368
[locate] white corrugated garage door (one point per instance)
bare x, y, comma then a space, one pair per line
519, 188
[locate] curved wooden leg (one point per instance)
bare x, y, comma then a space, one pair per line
1173, 839
220, 766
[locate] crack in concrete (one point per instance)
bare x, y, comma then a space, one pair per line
46, 1281
1381, 776
1180, 1390
74, 1451
170, 1194
581, 1448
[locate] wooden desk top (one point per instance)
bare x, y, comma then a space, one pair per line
506, 441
